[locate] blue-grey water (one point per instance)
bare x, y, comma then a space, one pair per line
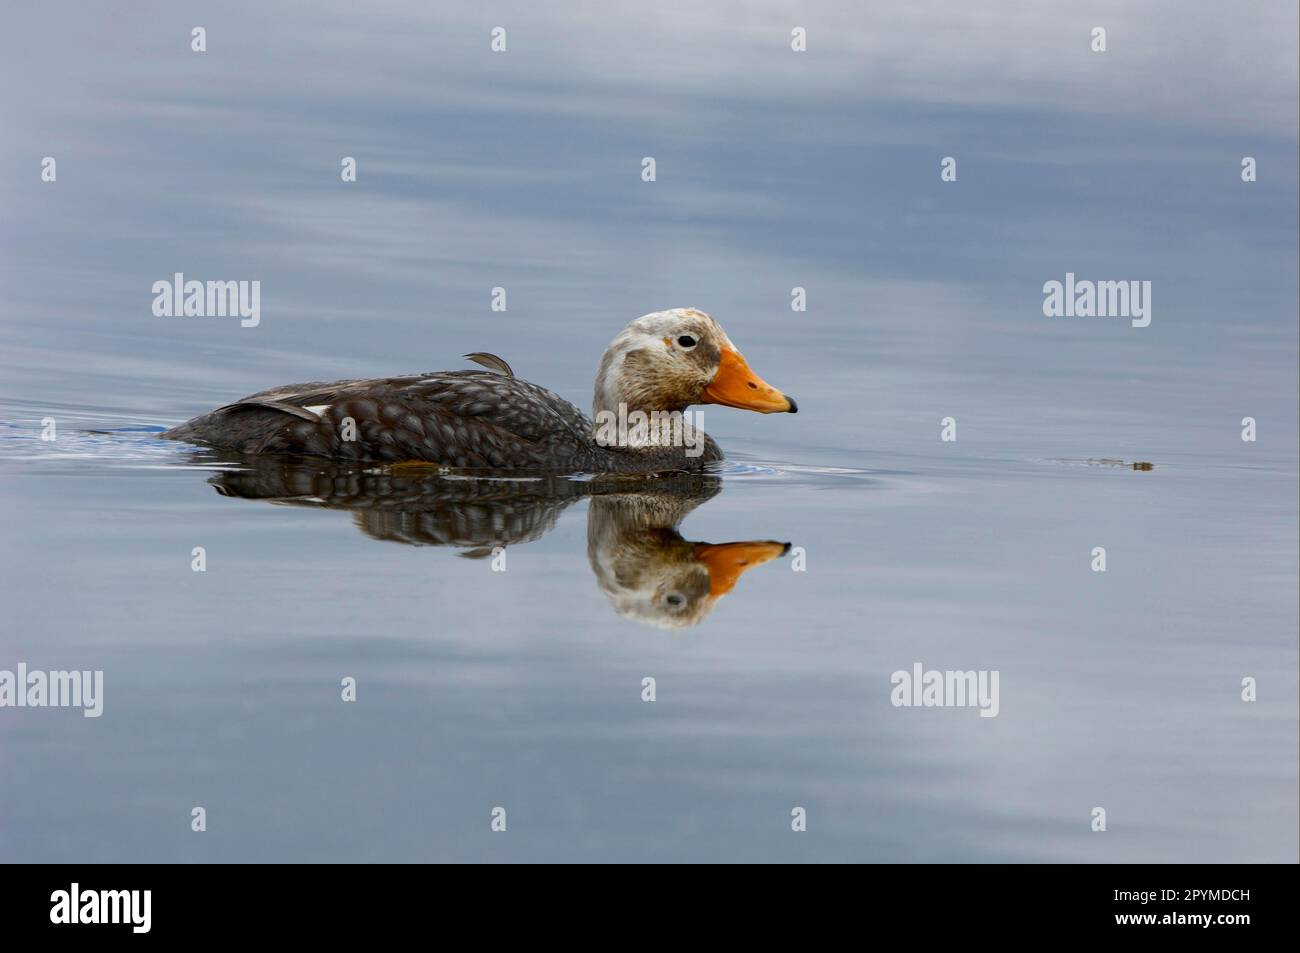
522, 689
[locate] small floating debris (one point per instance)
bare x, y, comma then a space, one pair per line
1107, 462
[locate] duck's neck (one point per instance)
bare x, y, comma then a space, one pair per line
624, 425
631, 412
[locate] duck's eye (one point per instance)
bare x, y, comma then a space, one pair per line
675, 599
686, 341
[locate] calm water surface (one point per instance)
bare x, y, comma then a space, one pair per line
523, 688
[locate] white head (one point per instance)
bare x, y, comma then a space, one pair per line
669, 360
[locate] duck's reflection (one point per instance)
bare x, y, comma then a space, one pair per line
646, 569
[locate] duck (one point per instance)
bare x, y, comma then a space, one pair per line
653, 370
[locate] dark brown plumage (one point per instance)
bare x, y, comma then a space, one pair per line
462, 419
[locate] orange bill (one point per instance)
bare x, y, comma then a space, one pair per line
735, 385
727, 561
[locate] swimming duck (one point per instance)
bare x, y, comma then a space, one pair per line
662, 362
